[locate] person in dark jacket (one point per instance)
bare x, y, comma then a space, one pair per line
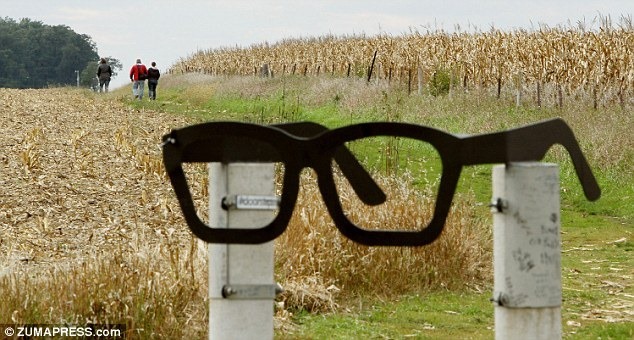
104, 72
153, 75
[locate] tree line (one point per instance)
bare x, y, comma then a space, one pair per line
35, 55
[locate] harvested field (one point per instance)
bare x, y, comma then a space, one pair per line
79, 174
88, 222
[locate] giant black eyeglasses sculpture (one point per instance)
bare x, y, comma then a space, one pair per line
300, 145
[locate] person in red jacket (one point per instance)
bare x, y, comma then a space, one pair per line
138, 74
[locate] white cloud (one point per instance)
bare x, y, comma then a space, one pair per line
73, 14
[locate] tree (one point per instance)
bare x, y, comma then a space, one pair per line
115, 64
34, 55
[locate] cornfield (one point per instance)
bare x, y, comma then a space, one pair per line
569, 60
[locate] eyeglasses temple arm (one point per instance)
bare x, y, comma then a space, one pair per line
362, 183
530, 143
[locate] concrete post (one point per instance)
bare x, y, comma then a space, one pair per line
244, 268
527, 251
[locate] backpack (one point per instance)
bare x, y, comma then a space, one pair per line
142, 76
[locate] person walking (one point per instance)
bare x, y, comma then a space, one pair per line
138, 74
153, 75
104, 72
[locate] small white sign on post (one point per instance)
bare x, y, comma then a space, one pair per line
241, 282
527, 251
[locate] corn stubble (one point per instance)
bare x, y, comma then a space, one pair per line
88, 227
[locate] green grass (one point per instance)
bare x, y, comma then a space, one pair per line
432, 316
597, 240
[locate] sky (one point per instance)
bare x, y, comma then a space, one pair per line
167, 30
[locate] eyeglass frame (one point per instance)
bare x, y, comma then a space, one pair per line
311, 145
